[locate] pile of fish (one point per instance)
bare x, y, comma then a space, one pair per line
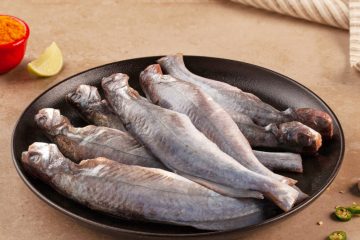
183, 155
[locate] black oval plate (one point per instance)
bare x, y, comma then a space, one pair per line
274, 88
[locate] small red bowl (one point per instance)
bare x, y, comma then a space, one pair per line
12, 53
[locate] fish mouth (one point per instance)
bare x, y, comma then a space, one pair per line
29, 161
37, 159
50, 120
116, 81
72, 97
25, 157
83, 95
118, 84
44, 118
36, 153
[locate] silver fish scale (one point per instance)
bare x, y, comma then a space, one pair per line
229, 97
273, 161
207, 116
138, 193
104, 189
91, 141
186, 150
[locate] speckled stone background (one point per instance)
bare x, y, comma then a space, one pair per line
92, 33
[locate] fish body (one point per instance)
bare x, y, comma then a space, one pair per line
283, 161
206, 115
174, 140
87, 101
140, 193
289, 136
235, 101
78, 144
92, 141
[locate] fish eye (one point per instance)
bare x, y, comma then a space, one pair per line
34, 157
76, 96
42, 119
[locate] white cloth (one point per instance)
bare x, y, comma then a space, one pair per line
337, 13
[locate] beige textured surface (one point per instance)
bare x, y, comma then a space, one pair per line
98, 32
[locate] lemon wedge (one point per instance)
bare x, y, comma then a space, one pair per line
49, 63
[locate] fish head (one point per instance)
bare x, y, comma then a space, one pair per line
149, 79
118, 85
83, 96
297, 134
171, 60
153, 69
51, 121
116, 82
152, 81
41, 159
316, 119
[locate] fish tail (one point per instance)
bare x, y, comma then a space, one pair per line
282, 195
289, 181
302, 196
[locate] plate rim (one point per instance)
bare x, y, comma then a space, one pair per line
102, 226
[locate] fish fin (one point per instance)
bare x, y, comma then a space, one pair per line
224, 190
272, 128
284, 197
290, 112
302, 196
